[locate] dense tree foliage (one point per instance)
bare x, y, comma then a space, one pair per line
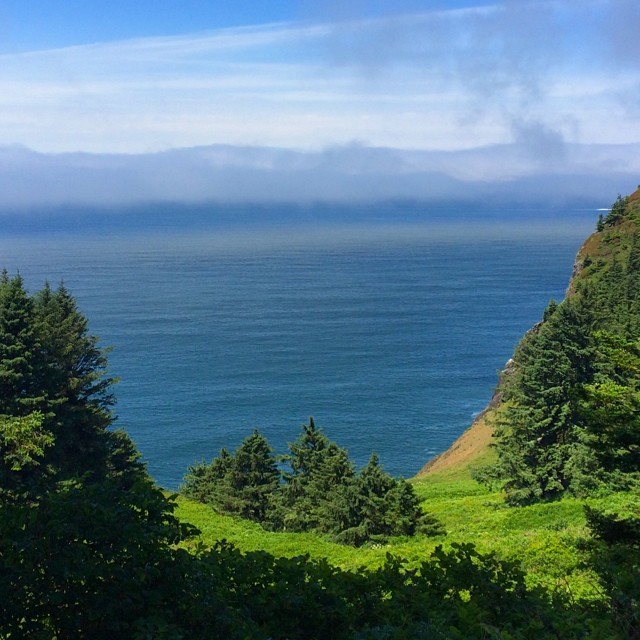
614, 553
84, 533
320, 472
320, 492
53, 382
570, 417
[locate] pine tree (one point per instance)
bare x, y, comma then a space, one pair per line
319, 468
633, 288
19, 394
50, 365
251, 481
375, 506
538, 431
611, 406
71, 374
616, 212
206, 482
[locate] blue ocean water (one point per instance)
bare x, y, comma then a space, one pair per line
387, 324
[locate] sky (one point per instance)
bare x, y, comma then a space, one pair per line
134, 77
142, 77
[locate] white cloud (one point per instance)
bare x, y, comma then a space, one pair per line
446, 79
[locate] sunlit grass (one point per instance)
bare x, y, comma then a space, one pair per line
543, 538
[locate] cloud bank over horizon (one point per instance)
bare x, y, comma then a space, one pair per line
497, 175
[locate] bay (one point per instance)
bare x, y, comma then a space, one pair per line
387, 323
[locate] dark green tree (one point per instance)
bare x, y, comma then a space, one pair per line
611, 405
205, 482
19, 392
85, 536
251, 481
93, 561
52, 365
319, 470
72, 376
616, 212
614, 555
538, 431
375, 506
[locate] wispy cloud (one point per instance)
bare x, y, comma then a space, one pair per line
541, 73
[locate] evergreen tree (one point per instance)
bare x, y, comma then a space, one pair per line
19, 394
611, 406
319, 469
550, 310
616, 212
537, 432
570, 418
633, 288
206, 482
251, 480
82, 554
375, 506
52, 367
71, 374
321, 493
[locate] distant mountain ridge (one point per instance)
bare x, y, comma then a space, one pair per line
501, 175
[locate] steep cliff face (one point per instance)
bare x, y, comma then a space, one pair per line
609, 250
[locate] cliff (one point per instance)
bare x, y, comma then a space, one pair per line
601, 252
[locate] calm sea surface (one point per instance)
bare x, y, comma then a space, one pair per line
387, 325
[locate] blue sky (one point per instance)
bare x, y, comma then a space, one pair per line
143, 76
37, 24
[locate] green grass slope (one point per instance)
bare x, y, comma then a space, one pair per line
544, 538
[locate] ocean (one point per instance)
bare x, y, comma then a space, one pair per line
386, 323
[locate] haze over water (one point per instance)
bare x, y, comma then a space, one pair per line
387, 324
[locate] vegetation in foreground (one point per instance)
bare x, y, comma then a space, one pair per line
91, 548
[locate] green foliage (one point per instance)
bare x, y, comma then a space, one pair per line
19, 394
320, 472
570, 422
243, 484
251, 479
88, 561
204, 482
53, 371
614, 554
616, 212
611, 405
85, 538
71, 375
22, 442
375, 506
90, 548
459, 593
321, 492
537, 431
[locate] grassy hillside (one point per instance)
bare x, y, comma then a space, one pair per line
545, 538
